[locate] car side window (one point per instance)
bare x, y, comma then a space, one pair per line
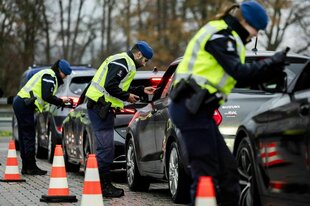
78, 84
303, 81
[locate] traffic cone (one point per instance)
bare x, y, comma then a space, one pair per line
205, 194
11, 173
92, 194
58, 190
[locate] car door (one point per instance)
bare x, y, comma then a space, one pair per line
161, 116
145, 138
284, 147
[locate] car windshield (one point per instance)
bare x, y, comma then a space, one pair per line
78, 84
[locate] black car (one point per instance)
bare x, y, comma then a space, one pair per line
78, 139
272, 148
49, 122
154, 146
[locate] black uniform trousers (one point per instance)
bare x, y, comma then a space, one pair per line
26, 131
207, 152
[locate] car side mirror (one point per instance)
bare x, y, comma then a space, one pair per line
277, 85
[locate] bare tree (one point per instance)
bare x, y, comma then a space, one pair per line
46, 29
283, 14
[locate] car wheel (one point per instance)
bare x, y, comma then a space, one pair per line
179, 182
41, 152
70, 167
245, 159
135, 181
15, 132
51, 145
86, 150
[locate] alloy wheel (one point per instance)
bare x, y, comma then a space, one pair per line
246, 172
173, 171
130, 164
49, 146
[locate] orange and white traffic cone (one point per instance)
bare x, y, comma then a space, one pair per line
11, 173
58, 190
205, 194
92, 194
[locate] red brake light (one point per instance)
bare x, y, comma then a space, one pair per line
127, 111
217, 117
133, 118
59, 129
155, 80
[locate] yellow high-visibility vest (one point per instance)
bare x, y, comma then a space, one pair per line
34, 84
200, 65
96, 88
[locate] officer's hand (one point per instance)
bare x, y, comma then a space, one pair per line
67, 102
278, 59
133, 98
149, 90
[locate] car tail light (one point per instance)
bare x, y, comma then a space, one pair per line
217, 117
59, 129
133, 118
155, 80
74, 99
127, 111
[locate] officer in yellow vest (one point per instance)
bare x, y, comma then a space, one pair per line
109, 89
38, 90
213, 62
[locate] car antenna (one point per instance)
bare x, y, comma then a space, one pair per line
255, 46
155, 70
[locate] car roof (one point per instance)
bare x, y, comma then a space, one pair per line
250, 53
36, 68
144, 74
270, 53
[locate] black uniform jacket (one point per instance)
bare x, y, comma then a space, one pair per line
223, 47
48, 86
115, 75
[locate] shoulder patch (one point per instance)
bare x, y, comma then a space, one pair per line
230, 46
120, 73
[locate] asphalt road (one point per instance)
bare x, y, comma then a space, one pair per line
29, 192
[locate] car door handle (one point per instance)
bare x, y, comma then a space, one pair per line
304, 109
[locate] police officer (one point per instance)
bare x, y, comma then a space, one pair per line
38, 90
213, 62
109, 88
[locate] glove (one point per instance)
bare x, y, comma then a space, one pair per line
278, 60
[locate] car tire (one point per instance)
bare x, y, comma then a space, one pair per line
51, 145
178, 180
245, 159
134, 180
15, 132
41, 152
86, 150
70, 167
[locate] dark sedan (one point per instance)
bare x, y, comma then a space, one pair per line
49, 122
154, 147
78, 139
272, 148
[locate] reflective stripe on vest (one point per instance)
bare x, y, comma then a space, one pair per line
202, 66
96, 88
34, 84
